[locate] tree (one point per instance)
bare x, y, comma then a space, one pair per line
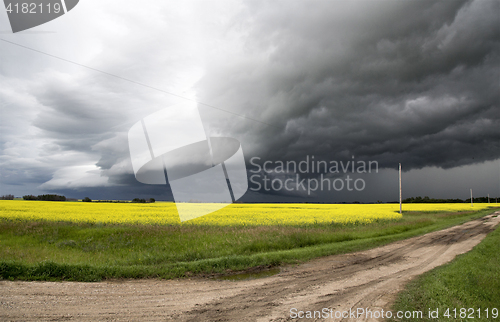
45, 197
152, 200
86, 199
51, 198
139, 200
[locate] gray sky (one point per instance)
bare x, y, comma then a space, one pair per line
416, 82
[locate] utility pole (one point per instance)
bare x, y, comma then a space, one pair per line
400, 194
471, 203
488, 198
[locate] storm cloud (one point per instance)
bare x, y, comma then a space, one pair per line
411, 82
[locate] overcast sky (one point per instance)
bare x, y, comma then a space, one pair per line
411, 82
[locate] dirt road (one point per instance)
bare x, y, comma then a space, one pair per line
358, 280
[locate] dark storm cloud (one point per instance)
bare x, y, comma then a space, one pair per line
415, 82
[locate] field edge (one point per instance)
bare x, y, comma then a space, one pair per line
52, 271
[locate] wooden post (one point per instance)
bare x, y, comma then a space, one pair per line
400, 194
471, 203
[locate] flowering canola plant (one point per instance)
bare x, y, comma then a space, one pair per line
165, 213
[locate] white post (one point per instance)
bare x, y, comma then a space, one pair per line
400, 194
488, 198
471, 203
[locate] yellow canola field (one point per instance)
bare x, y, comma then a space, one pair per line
165, 213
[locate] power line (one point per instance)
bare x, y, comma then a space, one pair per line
137, 83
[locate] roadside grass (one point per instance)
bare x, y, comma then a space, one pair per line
471, 282
47, 250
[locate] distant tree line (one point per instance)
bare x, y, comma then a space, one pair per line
143, 200
481, 199
137, 200
112, 201
45, 197
426, 199
419, 199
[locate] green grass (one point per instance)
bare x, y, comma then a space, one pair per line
470, 281
46, 250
